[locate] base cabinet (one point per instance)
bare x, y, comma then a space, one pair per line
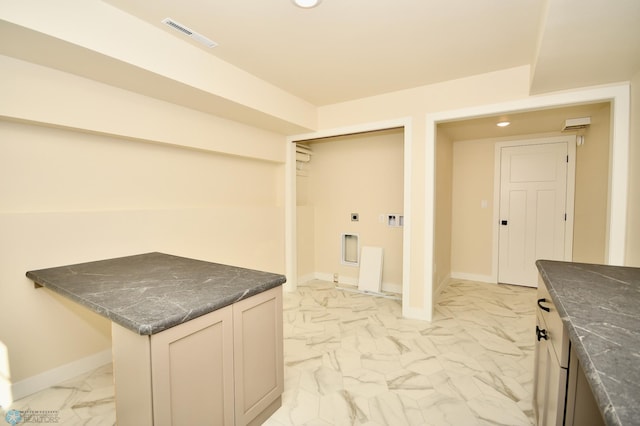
550, 380
561, 394
192, 372
223, 368
582, 408
258, 357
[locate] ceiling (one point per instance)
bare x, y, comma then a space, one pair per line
349, 49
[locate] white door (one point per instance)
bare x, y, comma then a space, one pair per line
533, 188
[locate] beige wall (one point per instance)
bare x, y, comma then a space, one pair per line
77, 193
356, 174
43, 95
633, 212
443, 211
501, 86
305, 243
592, 190
473, 182
472, 225
305, 233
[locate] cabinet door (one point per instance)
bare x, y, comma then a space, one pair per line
557, 385
540, 376
550, 381
192, 371
258, 359
557, 332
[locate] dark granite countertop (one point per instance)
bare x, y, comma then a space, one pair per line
151, 292
600, 306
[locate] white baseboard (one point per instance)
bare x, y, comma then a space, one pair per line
473, 277
324, 276
392, 288
60, 374
316, 276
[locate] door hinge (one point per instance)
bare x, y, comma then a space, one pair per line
565, 217
567, 158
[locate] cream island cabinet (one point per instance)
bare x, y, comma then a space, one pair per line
558, 393
586, 368
194, 343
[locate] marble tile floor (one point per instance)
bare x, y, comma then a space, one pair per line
351, 359
84, 400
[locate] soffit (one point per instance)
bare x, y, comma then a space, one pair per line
586, 43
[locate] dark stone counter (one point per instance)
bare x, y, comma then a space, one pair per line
600, 306
151, 292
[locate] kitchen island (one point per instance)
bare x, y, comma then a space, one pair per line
194, 342
599, 307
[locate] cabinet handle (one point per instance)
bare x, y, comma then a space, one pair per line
544, 308
541, 333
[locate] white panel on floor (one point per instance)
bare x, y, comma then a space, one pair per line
370, 278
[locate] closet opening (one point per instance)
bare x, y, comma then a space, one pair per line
345, 187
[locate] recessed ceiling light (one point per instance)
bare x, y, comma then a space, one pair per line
306, 4
503, 124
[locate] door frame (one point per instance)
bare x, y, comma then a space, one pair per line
620, 97
570, 140
291, 256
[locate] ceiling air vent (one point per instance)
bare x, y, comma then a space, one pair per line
576, 124
189, 32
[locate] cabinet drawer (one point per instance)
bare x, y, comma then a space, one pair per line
556, 331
